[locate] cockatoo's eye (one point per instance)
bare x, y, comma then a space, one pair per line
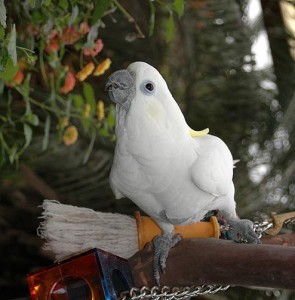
148, 87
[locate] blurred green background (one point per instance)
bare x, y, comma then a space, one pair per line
229, 64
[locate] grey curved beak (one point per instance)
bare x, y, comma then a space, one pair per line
121, 88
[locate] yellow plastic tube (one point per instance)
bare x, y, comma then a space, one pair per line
147, 229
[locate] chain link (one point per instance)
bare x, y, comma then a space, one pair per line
167, 293
290, 222
260, 227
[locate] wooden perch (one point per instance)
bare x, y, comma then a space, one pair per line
287, 239
212, 261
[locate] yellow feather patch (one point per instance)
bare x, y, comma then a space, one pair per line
194, 133
155, 109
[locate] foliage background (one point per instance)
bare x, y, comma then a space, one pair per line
57, 132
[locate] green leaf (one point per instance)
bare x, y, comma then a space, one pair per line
28, 133
39, 3
1, 87
12, 154
25, 93
111, 117
92, 35
78, 101
68, 107
2, 14
36, 17
99, 10
31, 58
86, 124
10, 109
8, 57
90, 147
32, 3
63, 4
74, 14
179, 7
3, 118
32, 119
3, 58
36, 3
11, 47
9, 70
89, 95
3, 142
103, 132
47, 3
2, 33
152, 18
170, 28
26, 85
45, 141
2, 158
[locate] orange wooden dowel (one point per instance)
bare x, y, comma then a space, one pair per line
147, 229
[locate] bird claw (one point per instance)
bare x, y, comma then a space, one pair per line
162, 245
243, 231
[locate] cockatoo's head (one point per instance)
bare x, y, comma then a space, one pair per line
141, 91
139, 80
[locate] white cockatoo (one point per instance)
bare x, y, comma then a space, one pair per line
173, 173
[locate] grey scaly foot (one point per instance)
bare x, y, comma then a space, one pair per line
162, 245
243, 231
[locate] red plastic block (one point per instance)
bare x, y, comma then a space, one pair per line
92, 275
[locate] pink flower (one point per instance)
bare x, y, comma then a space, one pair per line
84, 28
17, 79
53, 43
93, 51
69, 84
70, 35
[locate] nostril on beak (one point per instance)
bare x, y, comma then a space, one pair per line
111, 86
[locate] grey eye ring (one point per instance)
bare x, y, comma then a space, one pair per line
148, 87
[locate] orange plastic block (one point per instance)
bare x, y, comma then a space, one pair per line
92, 275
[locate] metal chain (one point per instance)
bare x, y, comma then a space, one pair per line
168, 293
260, 227
290, 222
282, 219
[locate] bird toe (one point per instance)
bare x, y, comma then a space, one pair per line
162, 245
243, 231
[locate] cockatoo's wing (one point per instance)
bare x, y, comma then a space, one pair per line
212, 171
